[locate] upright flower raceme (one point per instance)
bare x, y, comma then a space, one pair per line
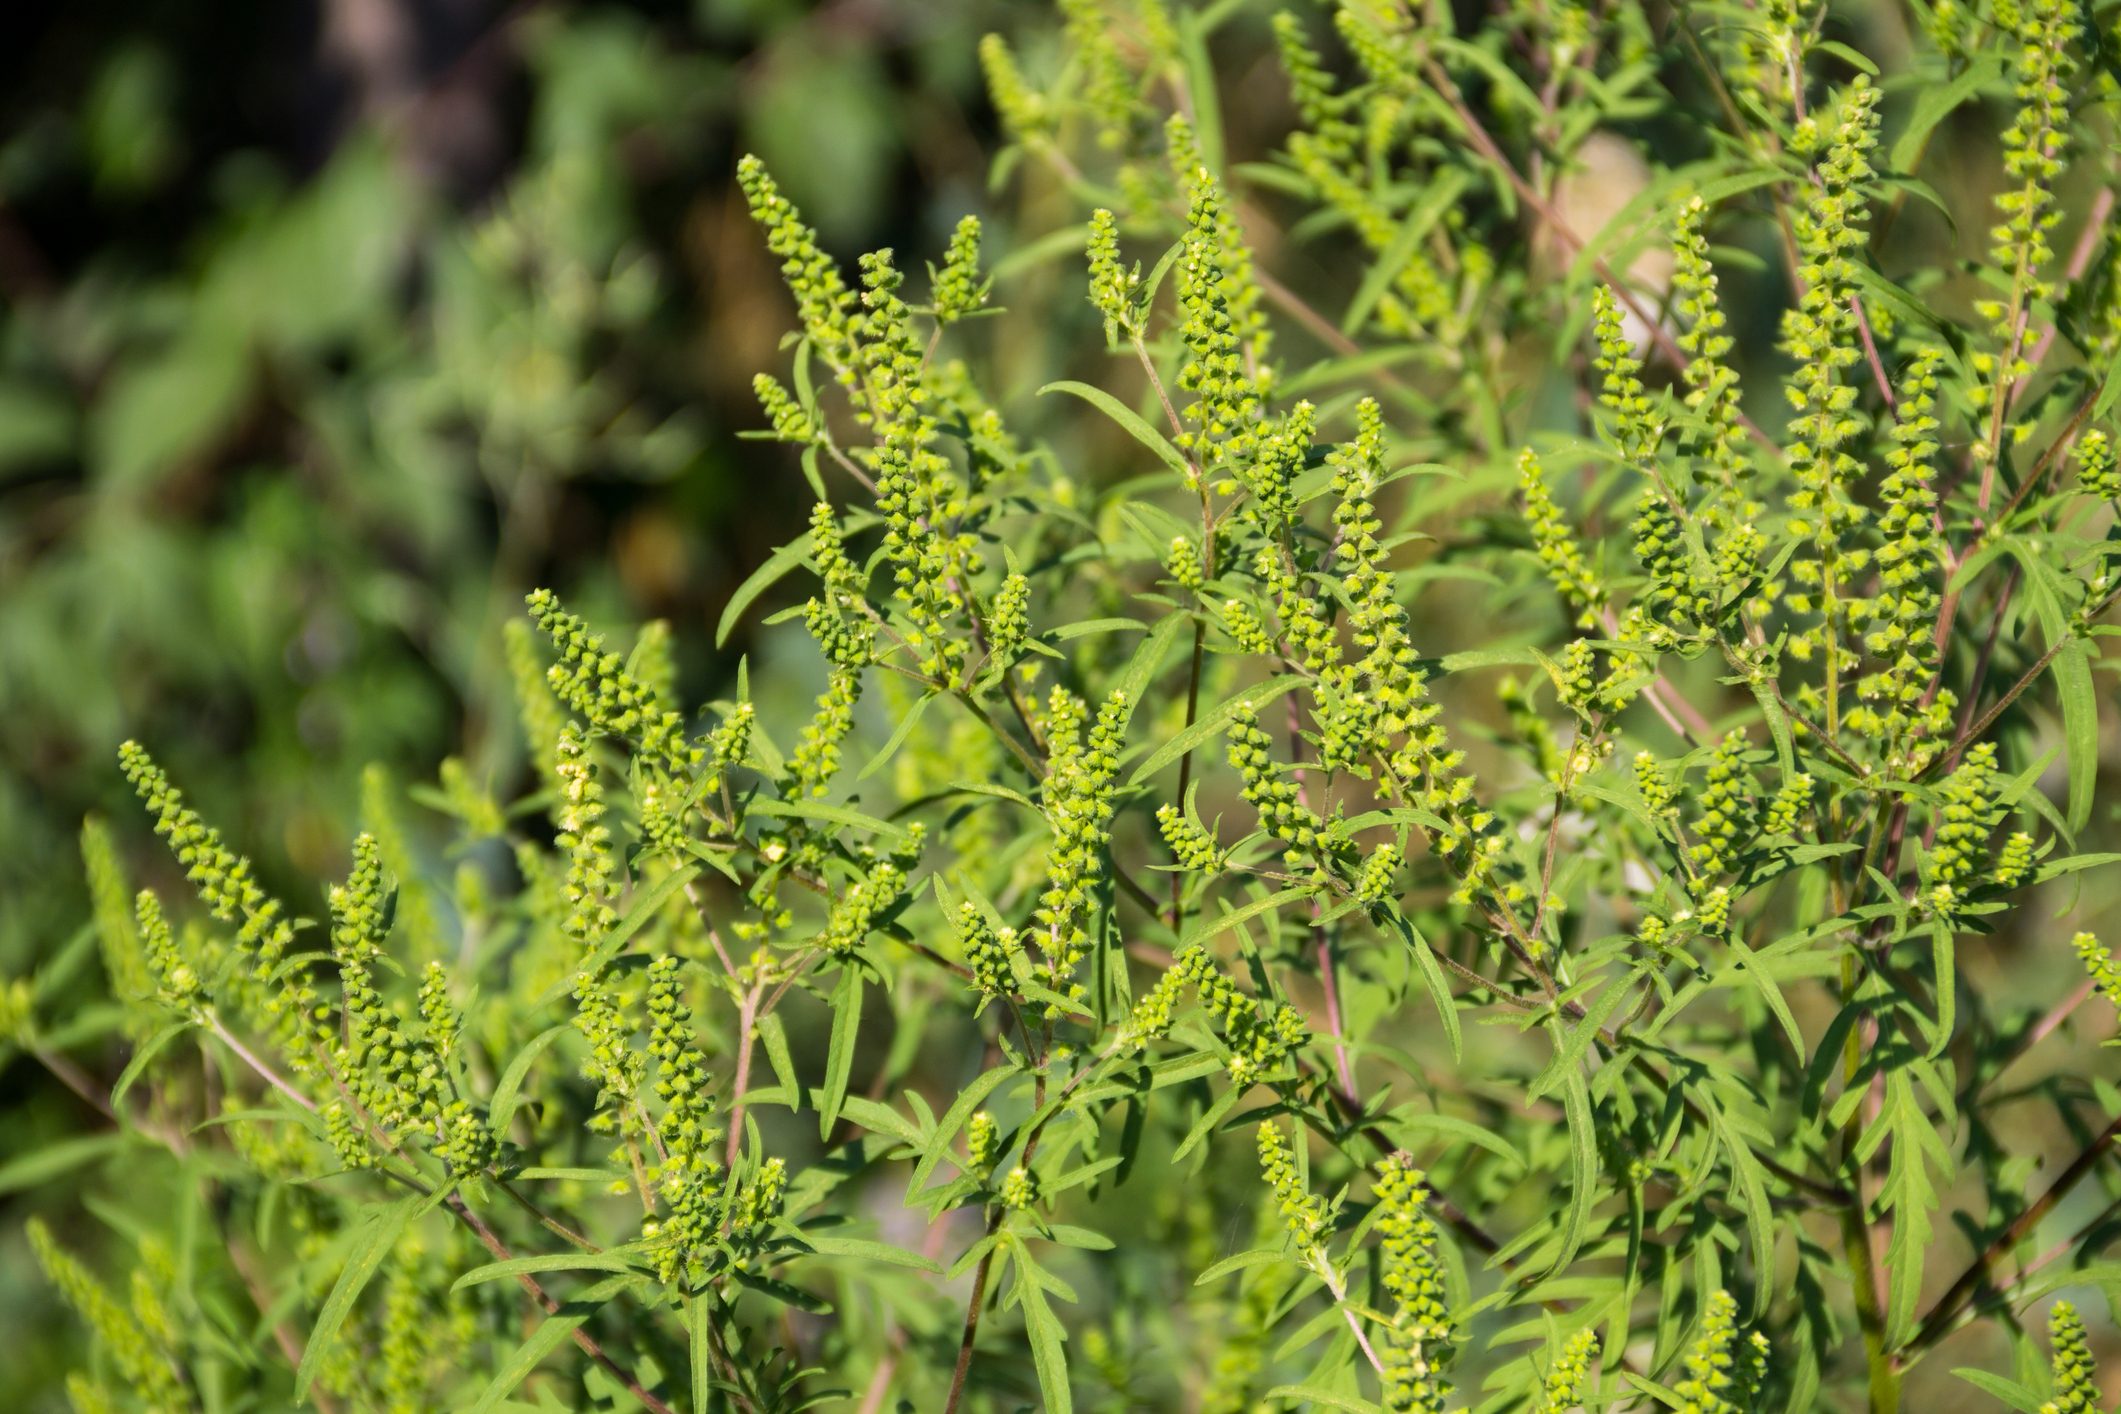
1418, 1338
1725, 1363
2045, 53
2073, 1373
1078, 803
1900, 621
595, 685
1821, 334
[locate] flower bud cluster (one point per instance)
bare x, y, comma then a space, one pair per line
790, 423
537, 710
1302, 1214
1270, 477
1022, 109
858, 907
990, 952
1209, 210
1556, 544
2014, 862
837, 619
2099, 966
1419, 1334
1115, 288
1724, 1366
983, 1144
1637, 430
959, 291
1820, 333
2047, 33
823, 302
1078, 805
1336, 156
917, 496
2098, 473
1785, 813
1225, 404
618, 1069
1966, 817
595, 685
228, 886
1712, 385
1570, 1372
132, 970
592, 884
1726, 819
1282, 813
2073, 1374
135, 1340
1259, 1035
816, 759
1900, 621
177, 984
1191, 845
1009, 620
685, 1179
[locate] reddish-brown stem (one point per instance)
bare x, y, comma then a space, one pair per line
1870, 353
1968, 1286
747, 1019
971, 1332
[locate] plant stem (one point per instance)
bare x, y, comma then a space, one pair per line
1970, 1282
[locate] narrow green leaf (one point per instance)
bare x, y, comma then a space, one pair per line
1211, 725
645, 905
1452, 1127
1749, 1178
774, 1038
1216, 927
1747, 964
144, 1055
502, 1108
1204, 84
828, 814
375, 1235
890, 748
1148, 658
758, 582
865, 1250
2009, 1392
1943, 963
50, 1162
1934, 105
1440, 995
1044, 1329
1569, 1049
1323, 1398
1126, 417
1205, 1125
617, 1259
839, 1058
2080, 729
961, 1110
699, 1311
1583, 1166
1242, 1261
553, 1332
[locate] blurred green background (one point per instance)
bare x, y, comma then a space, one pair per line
329, 329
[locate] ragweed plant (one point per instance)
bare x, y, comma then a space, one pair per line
1634, 1030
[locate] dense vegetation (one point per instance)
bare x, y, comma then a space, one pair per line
1418, 787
